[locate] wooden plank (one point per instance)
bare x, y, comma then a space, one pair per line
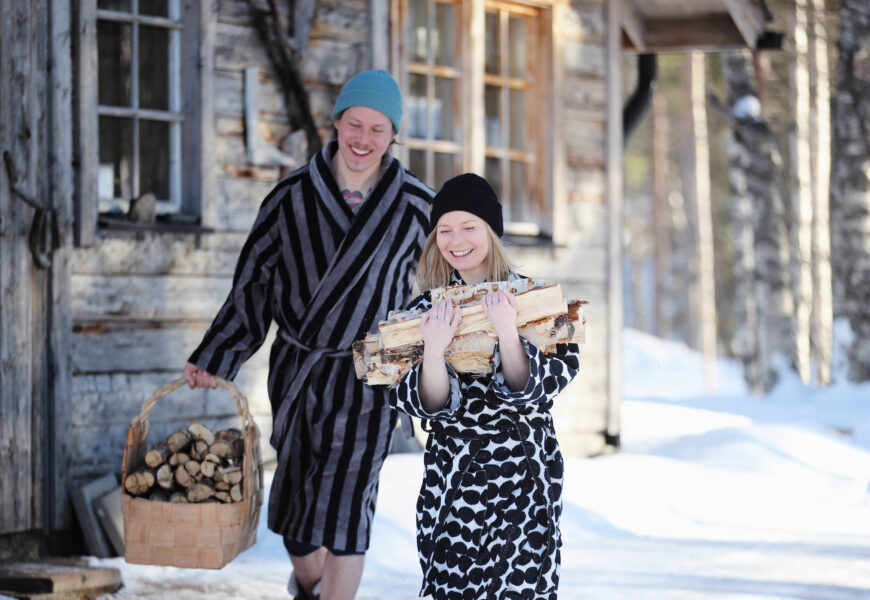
711, 33
531, 306
62, 195
108, 510
47, 578
82, 498
216, 256
136, 346
97, 297
86, 148
17, 136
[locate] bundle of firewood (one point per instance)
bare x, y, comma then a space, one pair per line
195, 465
544, 318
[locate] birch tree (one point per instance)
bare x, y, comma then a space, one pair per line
761, 240
850, 182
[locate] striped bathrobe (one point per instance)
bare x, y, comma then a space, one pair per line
325, 276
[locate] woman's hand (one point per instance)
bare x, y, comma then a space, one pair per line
198, 378
438, 326
501, 310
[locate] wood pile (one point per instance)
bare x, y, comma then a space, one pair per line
193, 465
544, 318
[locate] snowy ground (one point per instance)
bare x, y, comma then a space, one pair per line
720, 497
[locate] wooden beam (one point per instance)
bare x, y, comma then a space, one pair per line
633, 25
711, 33
748, 18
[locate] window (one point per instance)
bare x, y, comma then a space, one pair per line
478, 102
142, 108
139, 103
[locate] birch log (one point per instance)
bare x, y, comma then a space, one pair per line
545, 319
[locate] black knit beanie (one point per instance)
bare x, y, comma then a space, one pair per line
471, 193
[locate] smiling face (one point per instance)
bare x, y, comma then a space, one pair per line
463, 241
364, 134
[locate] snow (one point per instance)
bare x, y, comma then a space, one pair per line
720, 496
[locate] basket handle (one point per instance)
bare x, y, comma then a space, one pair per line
143, 418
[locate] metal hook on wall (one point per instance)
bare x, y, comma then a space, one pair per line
37, 239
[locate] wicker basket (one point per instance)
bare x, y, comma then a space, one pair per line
204, 535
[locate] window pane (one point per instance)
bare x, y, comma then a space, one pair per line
115, 178
154, 68
114, 49
493, 176
154, 8
445, 168
154, 158
518, 121
492, 116
444, 39
491, 41
519, 194
417, 164
419, 28
444, 108
415, 104
117, 5
517, 46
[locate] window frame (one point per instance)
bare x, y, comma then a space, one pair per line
195, 113
469, 115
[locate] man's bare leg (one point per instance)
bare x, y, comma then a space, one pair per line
341, 576
308, 569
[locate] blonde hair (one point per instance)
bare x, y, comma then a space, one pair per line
434, 271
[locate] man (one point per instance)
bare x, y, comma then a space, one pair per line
333, 249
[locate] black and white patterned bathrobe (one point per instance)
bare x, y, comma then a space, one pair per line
489, 507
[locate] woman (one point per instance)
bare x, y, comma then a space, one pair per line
491, 499
333, 249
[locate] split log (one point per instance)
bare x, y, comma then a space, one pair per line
178, 441
198, 450
236, 493
379, 364
207, 468
165, 477
157, 455
183, 477
200, 432
179, 497
223, 486
193, 468
200, 492
231, 475
222, 448
139, 482
179, 458
403, 329
222, 497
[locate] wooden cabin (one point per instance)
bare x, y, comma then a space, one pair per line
97, 309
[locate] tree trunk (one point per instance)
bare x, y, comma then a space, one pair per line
802, 199
743, 156
850, 187
821, 332
661, 215
761, 235
705, 300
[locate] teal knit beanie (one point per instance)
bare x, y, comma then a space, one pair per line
375, 89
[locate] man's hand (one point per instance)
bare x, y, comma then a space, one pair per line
198, 378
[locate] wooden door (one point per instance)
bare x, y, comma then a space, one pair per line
23, 372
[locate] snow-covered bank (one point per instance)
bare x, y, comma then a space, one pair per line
723, 496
